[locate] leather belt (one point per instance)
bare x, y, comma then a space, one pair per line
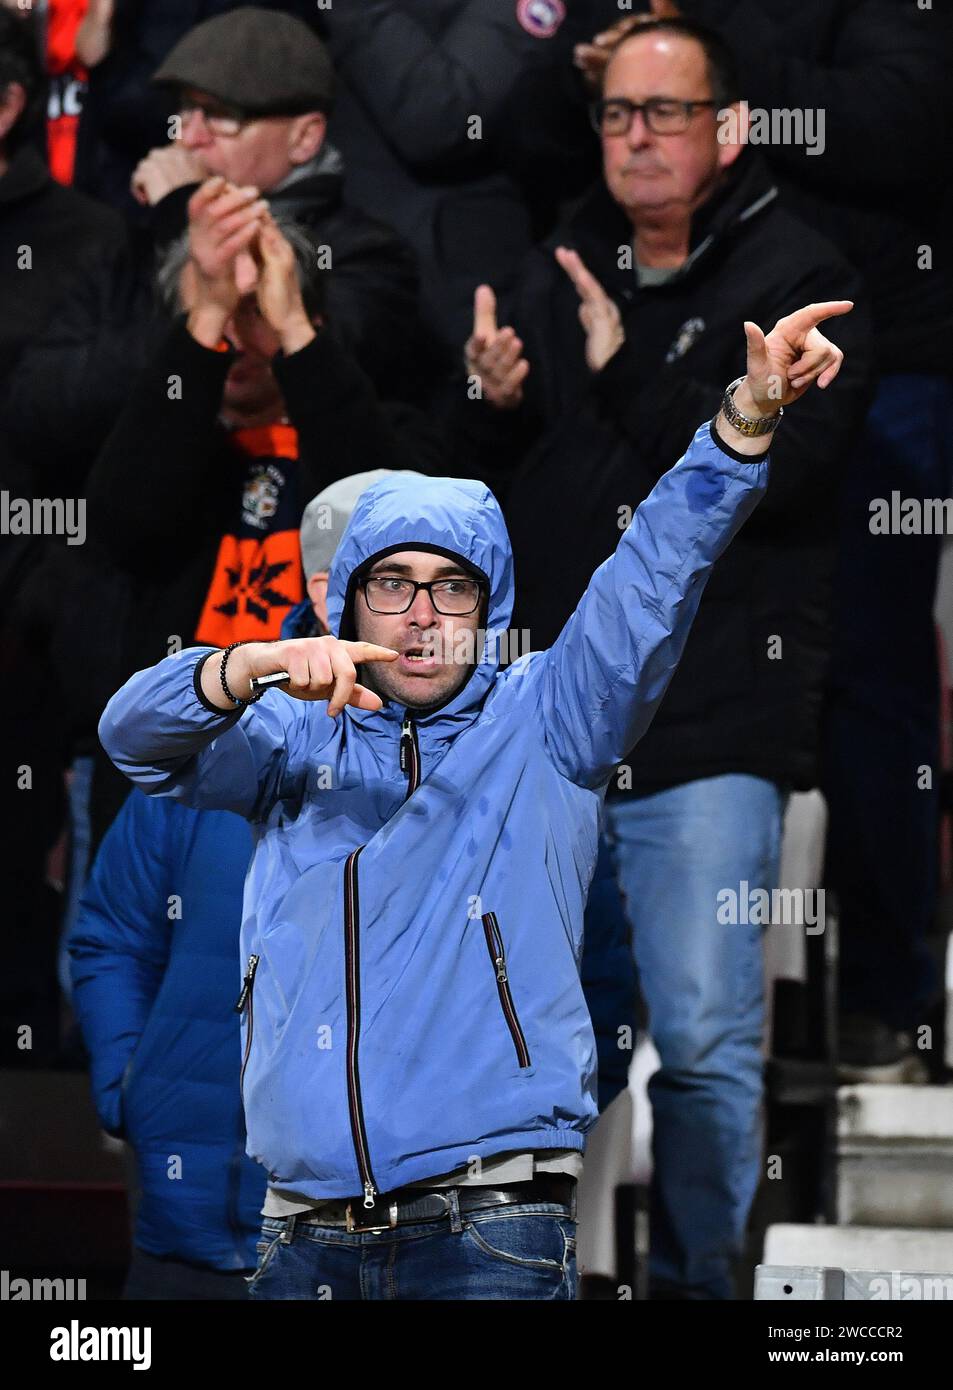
410, 1204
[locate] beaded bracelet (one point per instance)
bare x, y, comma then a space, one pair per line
234, 698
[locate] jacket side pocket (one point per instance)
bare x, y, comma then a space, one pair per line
494, 944
246, 1001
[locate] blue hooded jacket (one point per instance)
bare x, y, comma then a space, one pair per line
414, 908
608, 973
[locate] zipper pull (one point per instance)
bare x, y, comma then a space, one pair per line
370, 1192
406, 739
247, 983
501, 969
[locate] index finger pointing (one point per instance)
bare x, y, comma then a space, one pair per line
369, 651
812, 314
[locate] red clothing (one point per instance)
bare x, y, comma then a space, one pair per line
68, 81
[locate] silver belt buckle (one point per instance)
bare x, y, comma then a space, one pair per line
352, 1226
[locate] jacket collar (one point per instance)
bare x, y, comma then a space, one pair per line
328, 160
600, 227
315, 187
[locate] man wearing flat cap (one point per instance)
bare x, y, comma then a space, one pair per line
254, 89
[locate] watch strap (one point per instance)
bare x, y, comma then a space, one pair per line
751, 429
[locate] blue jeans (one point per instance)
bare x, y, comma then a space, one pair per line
675, 851
608, 977
523, 1251
883, 722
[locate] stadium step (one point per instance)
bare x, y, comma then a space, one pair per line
859, 1248
817, 1283
895, 1156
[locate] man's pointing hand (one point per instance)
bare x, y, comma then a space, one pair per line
791, 358
316, 668
781, 367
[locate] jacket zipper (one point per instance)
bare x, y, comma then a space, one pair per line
409, 763
410, 753
352, 971
247, 997
494, 942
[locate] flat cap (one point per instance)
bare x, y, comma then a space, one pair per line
264, 62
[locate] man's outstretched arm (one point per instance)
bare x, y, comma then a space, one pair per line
605, 676
174, 731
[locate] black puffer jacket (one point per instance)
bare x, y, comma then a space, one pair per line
423, 85
591, 448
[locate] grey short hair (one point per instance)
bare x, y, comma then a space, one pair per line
175, 256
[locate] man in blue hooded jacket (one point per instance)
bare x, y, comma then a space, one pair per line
418, 1061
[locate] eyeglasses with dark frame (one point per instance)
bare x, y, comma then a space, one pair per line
390, 593
662, 115
227, 120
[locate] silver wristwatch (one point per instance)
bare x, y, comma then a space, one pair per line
743, 423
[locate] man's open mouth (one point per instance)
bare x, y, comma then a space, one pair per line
421, 657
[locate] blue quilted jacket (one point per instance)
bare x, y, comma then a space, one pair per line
154, 955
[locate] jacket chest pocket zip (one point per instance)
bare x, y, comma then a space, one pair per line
494, 944
246, 999
410, 754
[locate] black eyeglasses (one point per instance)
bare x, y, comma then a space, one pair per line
662, 115
388, 593
223, 120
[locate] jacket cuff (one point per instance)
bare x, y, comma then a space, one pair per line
180, 337
317, 368
613, 385
202, 369
734, 453
200, 694
170, 215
